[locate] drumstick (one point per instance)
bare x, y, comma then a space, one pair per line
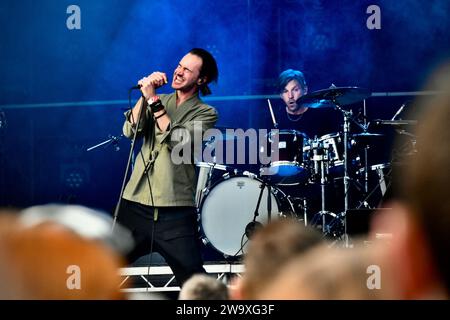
275, 124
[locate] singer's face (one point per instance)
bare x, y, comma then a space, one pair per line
187, 73
292, 91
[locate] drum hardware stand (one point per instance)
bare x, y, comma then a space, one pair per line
366, 147
339, 97
365, 127
293, 204
112, 139
254, 225
321, 160
348, 117
305, 210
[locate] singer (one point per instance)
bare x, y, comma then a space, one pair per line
158, 201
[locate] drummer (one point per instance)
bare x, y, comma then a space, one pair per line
291, 85
312, 122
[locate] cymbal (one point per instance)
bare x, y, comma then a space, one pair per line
367, 135
399, 123
341, 96
316, 104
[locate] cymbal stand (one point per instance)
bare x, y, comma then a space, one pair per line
347, 117
365, 127
323, 180
321, 159
366, 160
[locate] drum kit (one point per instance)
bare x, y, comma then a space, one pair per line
233, 203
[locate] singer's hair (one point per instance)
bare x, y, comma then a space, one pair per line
288, 75
209, 69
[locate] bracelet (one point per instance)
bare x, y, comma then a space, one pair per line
156, 106
162, 114
153, 99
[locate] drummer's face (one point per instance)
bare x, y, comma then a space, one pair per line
292, 91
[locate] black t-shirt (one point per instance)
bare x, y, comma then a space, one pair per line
313, 122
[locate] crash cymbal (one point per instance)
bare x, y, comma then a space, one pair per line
341, 96
315, 103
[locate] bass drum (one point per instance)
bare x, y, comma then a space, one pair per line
229, 207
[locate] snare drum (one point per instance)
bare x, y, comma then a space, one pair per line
290, 167
229, 207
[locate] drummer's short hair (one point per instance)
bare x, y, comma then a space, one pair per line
289, 75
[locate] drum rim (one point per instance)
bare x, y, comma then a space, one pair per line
228, 176
212, 165
286, 163
330, 135
287, 131
380, 166
374, 167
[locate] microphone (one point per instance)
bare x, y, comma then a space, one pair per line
136, 87
155, 84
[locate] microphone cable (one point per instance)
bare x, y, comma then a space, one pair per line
155, 210
146, 173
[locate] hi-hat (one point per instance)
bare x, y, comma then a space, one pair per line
326, 98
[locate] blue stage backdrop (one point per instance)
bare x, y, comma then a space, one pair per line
64, 89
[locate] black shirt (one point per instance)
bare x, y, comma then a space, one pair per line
313, 122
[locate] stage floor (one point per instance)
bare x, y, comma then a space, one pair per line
160, 279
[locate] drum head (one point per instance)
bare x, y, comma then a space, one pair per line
229, 208
285, 173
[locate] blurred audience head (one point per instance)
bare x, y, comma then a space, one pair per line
326, 273
420, 219
203, 287
271, 247
62, 252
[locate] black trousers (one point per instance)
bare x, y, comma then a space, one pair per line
175, 236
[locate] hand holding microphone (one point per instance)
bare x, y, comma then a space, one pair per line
148, 85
